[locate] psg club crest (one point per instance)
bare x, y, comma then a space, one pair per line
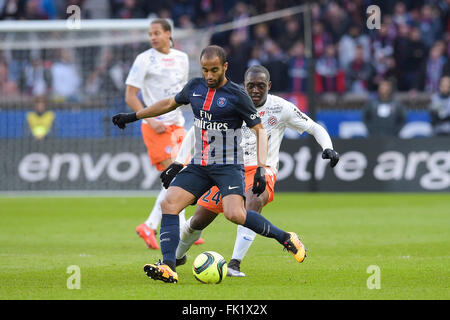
221, 102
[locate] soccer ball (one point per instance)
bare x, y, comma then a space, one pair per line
209, 267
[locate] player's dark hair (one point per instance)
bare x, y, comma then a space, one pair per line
165, 25
214, 51
257, 69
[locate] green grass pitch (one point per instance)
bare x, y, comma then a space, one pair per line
407, 236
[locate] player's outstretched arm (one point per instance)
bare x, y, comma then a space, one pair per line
259, 180
323, 139
156, 109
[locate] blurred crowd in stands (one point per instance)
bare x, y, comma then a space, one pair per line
411, 48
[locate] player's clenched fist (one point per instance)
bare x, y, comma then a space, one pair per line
259, 181
332, 155
122, 119
169, 174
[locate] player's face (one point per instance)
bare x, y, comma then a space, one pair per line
159, 38
213, 71
257, 86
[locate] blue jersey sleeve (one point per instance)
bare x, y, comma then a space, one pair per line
183, 97
246, 109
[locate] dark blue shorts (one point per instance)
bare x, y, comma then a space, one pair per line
197, 179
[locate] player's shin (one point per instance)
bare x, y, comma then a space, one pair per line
244, 239
182, 218
169, 238
264, 227
187, 238
154, 218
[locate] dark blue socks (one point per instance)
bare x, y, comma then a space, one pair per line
264, 227
169, 237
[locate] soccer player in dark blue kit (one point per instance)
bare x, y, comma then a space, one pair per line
220, 107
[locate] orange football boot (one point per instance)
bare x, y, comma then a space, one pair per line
161, 271
295, 246
149, 236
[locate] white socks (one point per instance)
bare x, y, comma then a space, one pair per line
154, 219
244, 239
187, 238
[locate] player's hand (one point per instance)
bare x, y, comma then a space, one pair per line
169, 174
259, 181
158, 126
332, 155
122, 119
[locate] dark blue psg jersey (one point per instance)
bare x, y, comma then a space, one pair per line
218, 118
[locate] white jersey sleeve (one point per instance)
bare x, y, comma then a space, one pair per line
321, 135
137, 73
295, 119
299, 121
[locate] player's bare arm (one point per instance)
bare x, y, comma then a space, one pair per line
132, 100
156, 109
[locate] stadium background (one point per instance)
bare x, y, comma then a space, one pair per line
48, 226
77, 75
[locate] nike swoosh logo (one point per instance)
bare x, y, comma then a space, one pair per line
231, 188
196, 95
147, 233
167, 172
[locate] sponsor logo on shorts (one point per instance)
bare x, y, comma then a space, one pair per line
169, 149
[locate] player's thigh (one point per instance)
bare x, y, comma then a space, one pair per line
176, 199
252, 201
211, 200
233, 208
193, 179
229, 179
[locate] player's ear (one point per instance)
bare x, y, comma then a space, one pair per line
225, 66
269, 85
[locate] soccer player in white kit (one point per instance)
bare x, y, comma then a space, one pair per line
158, 73
276, 115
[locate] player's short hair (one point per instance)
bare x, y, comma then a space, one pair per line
257, 69
164, 24
214, 51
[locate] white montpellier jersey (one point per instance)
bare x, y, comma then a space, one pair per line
276, 114
160, 76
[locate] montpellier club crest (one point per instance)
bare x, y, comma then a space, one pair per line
221, 102
272, 120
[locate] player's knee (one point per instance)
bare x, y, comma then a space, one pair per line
235, 215
169, 205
